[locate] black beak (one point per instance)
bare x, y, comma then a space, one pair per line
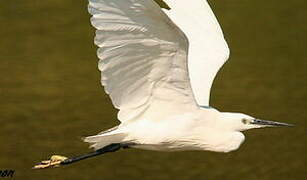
269, 123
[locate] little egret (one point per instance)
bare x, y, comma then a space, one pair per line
158, 66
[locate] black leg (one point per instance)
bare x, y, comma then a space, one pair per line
106, 149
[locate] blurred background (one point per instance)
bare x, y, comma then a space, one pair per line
50, 94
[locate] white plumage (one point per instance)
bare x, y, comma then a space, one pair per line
150, 60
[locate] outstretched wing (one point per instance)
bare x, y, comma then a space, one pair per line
208, 50
143, 59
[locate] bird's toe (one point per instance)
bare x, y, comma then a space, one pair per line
55, 161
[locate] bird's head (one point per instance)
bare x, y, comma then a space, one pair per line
242, 122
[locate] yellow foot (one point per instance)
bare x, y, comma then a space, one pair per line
55, 161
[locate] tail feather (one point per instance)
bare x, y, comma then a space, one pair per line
105, 138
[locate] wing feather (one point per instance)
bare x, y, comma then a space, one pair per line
208, 50
143, 59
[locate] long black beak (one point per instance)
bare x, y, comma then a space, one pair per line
269, 123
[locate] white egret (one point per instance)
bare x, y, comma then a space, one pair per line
158, 67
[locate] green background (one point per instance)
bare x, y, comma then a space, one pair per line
50, 94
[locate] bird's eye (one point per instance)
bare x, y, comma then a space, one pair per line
244, 121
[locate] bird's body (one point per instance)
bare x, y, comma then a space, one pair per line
186, 131
199, 129
158, 68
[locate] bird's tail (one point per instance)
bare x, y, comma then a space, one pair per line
105, 138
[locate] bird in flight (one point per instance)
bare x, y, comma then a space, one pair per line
158, 60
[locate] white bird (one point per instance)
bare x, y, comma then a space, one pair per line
158, 67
